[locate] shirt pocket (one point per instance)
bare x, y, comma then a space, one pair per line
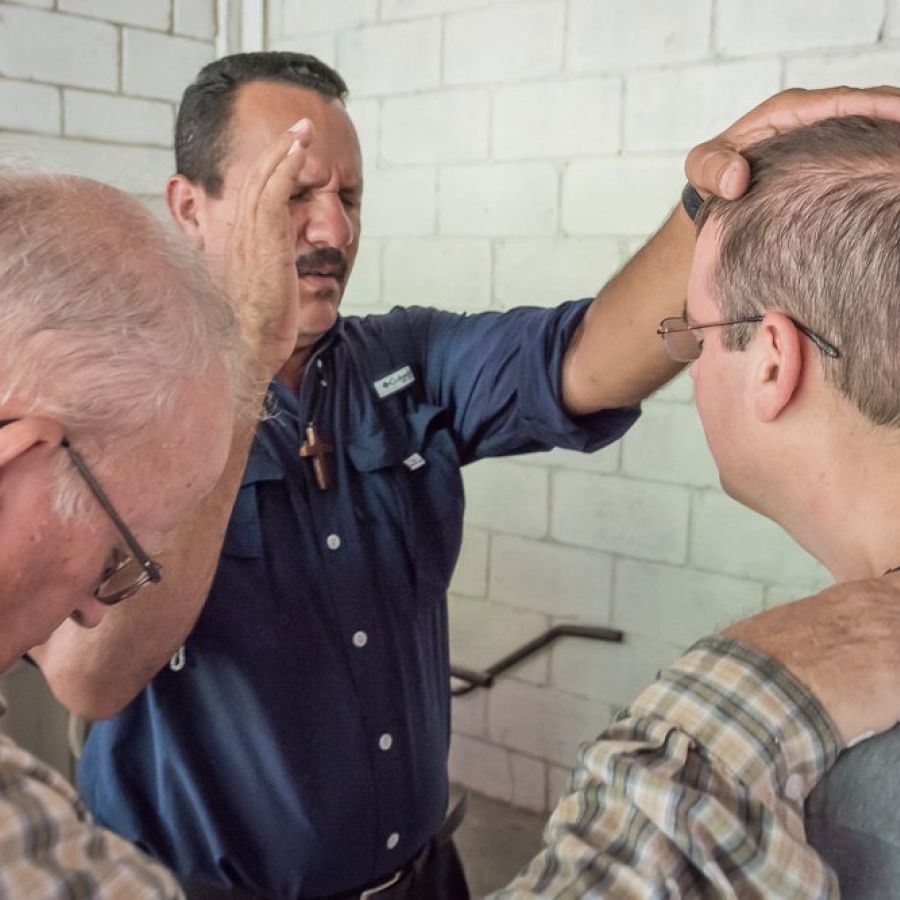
410, 490
239, 611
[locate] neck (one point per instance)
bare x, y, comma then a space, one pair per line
291, 373
845, 509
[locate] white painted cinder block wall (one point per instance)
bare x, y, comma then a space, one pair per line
518, 151
90, 86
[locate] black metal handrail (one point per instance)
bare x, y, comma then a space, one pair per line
485, 678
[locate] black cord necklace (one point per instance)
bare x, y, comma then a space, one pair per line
315, 448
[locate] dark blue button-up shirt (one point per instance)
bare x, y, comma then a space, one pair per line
297, 745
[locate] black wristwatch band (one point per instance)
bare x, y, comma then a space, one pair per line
691, 201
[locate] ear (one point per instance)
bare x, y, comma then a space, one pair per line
28, 433
185, 200
26, 446
779, 365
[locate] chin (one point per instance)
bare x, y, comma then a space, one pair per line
746, 498
732, 490
318, 315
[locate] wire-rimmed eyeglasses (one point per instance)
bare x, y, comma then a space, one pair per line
128, 575
682, 345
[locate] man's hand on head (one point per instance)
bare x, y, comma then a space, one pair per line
716, 166
261, 273
843, 644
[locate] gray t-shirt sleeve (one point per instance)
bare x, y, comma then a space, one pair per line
853, 818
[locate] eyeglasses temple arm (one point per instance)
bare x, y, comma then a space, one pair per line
150, 567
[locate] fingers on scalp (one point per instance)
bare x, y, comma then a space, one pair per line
882, 102
707, 164
796, 107
763, 118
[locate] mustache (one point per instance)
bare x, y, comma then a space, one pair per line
325, 259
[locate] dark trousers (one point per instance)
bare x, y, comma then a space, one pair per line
441, 877
435, 874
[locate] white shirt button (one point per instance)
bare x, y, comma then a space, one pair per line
393, 840
385, 742
333, 542
360, 639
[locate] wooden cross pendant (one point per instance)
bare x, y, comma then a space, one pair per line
317, 450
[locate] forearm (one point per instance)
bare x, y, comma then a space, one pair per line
616, 358
698, 788
96, 672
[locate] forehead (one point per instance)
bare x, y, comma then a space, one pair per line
700, 303
181, 461
264, 110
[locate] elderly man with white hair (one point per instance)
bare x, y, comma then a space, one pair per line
125, 377
117, 357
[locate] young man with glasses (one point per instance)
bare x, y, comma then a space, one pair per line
800, 402
790, 328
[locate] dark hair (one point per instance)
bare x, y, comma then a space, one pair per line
201, 129
816, 236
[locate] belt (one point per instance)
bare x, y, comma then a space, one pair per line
451, 822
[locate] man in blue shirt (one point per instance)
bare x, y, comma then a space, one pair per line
282, 716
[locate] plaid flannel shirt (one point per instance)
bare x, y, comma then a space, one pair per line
696, 790
50, 847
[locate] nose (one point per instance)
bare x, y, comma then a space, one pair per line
89, 613
329, 224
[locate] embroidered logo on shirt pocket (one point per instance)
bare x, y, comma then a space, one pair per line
394, 382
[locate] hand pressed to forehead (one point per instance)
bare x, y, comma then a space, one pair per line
716, 166
261, 274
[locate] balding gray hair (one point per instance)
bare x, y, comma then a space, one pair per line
106, 319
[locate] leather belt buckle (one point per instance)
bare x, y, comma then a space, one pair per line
373, 891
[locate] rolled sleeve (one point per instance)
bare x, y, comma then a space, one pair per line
750, 713
697, 789
540, 375
500, 374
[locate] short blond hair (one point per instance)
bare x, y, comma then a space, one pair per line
817, 236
